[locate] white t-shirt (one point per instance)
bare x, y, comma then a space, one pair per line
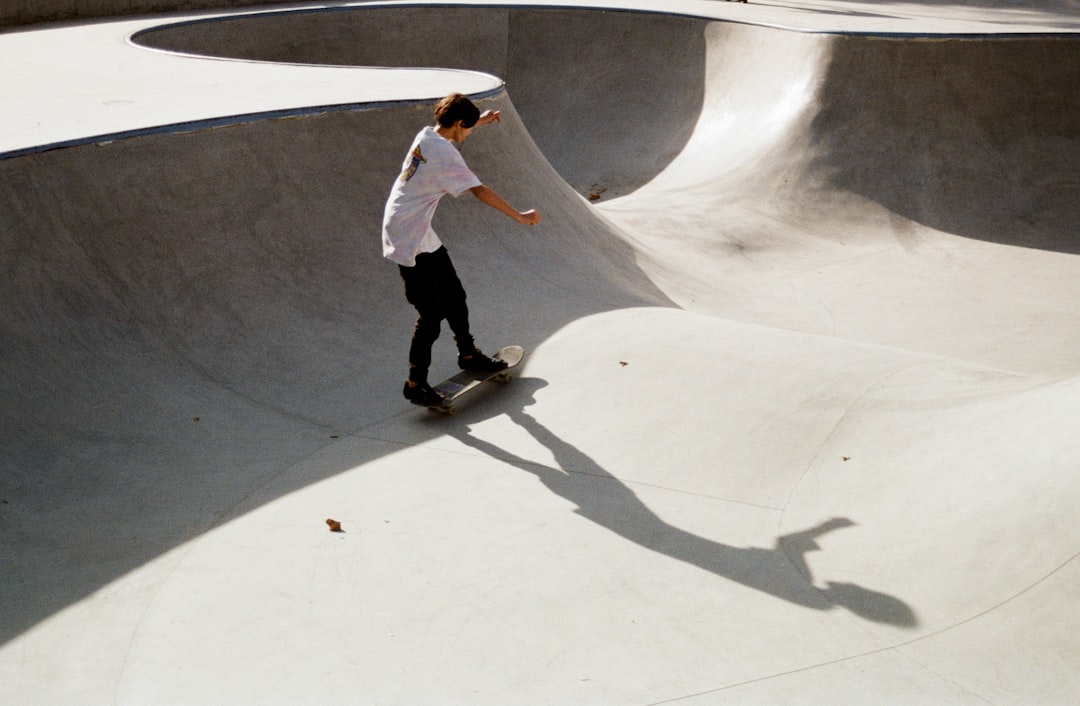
433, 168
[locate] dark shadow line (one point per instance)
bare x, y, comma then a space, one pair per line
780, 571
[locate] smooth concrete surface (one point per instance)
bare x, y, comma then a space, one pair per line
28, 12
797, 422
925, 15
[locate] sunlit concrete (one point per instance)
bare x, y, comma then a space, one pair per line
797, 422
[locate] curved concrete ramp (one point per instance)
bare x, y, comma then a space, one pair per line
797, 422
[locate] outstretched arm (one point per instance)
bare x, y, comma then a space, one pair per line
488, 196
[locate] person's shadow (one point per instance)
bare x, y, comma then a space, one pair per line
781, 570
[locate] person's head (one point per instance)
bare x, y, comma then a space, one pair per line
456, 107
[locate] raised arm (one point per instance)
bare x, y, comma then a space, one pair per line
490, 116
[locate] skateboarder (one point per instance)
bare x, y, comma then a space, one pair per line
433, 168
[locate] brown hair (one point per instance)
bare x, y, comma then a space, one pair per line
456, 107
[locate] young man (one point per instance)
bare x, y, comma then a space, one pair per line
433, 168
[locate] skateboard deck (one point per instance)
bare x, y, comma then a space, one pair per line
456, 386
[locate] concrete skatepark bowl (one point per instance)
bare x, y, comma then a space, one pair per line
797, 421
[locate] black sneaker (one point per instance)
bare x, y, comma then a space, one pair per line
423, 394
480, 363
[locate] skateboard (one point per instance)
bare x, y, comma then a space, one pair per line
456, 386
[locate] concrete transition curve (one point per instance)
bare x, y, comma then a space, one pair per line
797, 422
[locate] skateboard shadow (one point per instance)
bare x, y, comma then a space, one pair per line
780, 570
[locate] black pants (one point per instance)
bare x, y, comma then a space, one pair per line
433, 287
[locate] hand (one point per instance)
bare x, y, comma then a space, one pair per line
528, 218
489, 116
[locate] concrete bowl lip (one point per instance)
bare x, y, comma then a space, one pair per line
233, 119
649, 7
136, 38
135, 654
493, 85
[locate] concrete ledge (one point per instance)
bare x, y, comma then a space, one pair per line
16, 13
797, 422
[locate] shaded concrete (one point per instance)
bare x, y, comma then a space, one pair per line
797, 421
993, 155
263, 291
640, 106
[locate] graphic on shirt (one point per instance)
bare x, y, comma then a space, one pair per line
417, 160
